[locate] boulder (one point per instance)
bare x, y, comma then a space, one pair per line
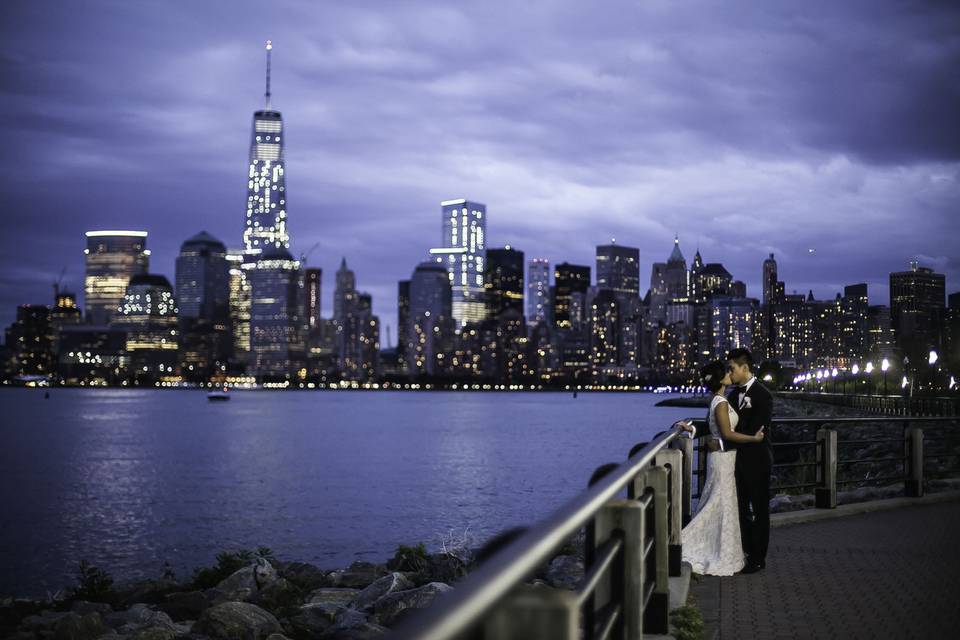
237, 621
564, 572
278, 595
247, 581
320, 610
155, 633
148, 591
139, 616
43, 621
392, 607
351, 624
76, 627
360, 574
185, 605
332, 596
306, 576
379, 588
277, 636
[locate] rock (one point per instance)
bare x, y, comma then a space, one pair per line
360, 574
155, 633
139, 616
185, 605
306, 576
43, 621
381, 587
82, 607
148, 591
278, 595
351, 624
76, 627
277, 636
332, 596
237, 620
249, 580
564, 572
389, 609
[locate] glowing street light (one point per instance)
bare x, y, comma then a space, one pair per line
933, 358
855, 369
869, 368
883, 367
903, 383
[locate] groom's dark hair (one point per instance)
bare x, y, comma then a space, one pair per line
741, 356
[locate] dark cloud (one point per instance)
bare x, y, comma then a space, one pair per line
746, 128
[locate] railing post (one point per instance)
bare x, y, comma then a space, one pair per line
535, 613
672, 459
826, 491
702, 452
914, 445
629, 516
685, 477
656, 616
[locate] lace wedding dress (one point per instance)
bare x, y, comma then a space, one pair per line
711, 542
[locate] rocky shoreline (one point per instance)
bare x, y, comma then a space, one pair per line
252, 595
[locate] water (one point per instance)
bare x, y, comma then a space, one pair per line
129, 479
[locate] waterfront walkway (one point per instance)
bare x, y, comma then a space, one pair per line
883, 574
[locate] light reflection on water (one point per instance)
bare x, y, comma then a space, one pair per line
128, 479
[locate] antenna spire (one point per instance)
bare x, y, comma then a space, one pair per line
267, 94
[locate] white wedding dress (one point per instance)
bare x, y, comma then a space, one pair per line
711, 542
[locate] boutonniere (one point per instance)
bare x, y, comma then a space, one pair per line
746, 402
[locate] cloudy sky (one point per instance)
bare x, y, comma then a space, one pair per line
746, 128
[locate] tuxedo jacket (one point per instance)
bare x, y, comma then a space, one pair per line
753, 412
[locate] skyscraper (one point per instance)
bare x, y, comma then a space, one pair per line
917, 310
203, 278
503, 281
618, 269
148, 315
266, 221
676, 276
345, 293
277, 325
770, 281
113, 257
569, 280
430, 319
314, 281
538, 290
240, 295
463, 252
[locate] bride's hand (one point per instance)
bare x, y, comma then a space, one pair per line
685, 425
758, 436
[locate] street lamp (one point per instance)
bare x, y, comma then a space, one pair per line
883, 367
855, 369
833, 374
869, 370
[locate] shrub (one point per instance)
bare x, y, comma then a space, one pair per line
93, 584
687, 623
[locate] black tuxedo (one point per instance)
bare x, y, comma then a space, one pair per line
754, 461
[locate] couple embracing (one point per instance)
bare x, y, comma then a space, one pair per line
730, 531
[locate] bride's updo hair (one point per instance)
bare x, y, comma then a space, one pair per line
712, 375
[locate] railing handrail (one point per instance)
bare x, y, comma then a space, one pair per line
457, 610
853, 419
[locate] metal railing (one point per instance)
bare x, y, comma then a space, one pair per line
898, 405
633, 516
824, 453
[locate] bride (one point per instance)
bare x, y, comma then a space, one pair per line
711, 541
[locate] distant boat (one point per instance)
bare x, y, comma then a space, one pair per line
219, 395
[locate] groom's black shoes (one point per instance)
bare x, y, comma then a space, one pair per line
753, 567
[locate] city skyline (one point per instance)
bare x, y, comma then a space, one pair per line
552, 149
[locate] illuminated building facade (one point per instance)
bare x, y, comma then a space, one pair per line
403, 324
917, 311
277, 315
676, 277
538, 291
569, 280
31, 341
733, 323
240, 299
463, 252
266, 219
203, 279
854, 322
93, 354
313, 279
503, 282
618, 269
112, 258
431, 324
148, 315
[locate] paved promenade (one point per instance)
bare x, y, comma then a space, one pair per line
885, 574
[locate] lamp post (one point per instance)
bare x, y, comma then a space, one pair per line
869, 370
833, 374
932, 360
855, 370
883, 367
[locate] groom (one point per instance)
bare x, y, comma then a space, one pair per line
754, 407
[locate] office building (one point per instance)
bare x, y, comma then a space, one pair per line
112, 258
